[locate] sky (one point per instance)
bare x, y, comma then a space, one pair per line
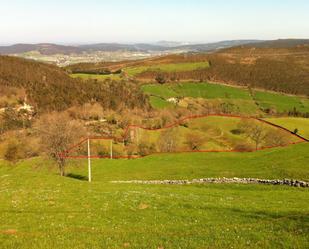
93, 21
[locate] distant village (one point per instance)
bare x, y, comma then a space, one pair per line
63, 60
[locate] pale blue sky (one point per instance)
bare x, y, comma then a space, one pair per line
88, 21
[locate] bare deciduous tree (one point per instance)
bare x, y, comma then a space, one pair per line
194, 141
168, 141
57, 132
276, 138
255, 131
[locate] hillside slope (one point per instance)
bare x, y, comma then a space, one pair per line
281, 66
43, 48
280, 43
268, 65
44, 206
49, 88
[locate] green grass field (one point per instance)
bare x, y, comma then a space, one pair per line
239, 97
159, 103
39, 209
172, 67
165, 91
301, 124
282, 103
213, 93
196, 90
289, 162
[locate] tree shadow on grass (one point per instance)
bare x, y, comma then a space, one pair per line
300, 218
77, 177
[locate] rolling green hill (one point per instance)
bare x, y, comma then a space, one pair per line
44, 206
208, 133
214, 133
277, 163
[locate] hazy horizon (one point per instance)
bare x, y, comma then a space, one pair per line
124, 42
79, 22
146, 42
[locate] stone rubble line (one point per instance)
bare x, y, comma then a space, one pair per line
288, 182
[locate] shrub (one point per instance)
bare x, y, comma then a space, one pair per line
131, 149
145, 149
237, 131
253, 130
11, 153
57, 132
12, 119
276, 138
160, 78
194, 141
243, 147
168, 141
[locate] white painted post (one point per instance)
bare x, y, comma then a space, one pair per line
89, 162
111, 149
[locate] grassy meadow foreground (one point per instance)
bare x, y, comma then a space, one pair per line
39, 209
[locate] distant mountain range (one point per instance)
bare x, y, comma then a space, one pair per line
43, 48
50, 49
162, 46
281, 43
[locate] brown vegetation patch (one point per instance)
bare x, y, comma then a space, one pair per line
248, 60
143, 206
9, 231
